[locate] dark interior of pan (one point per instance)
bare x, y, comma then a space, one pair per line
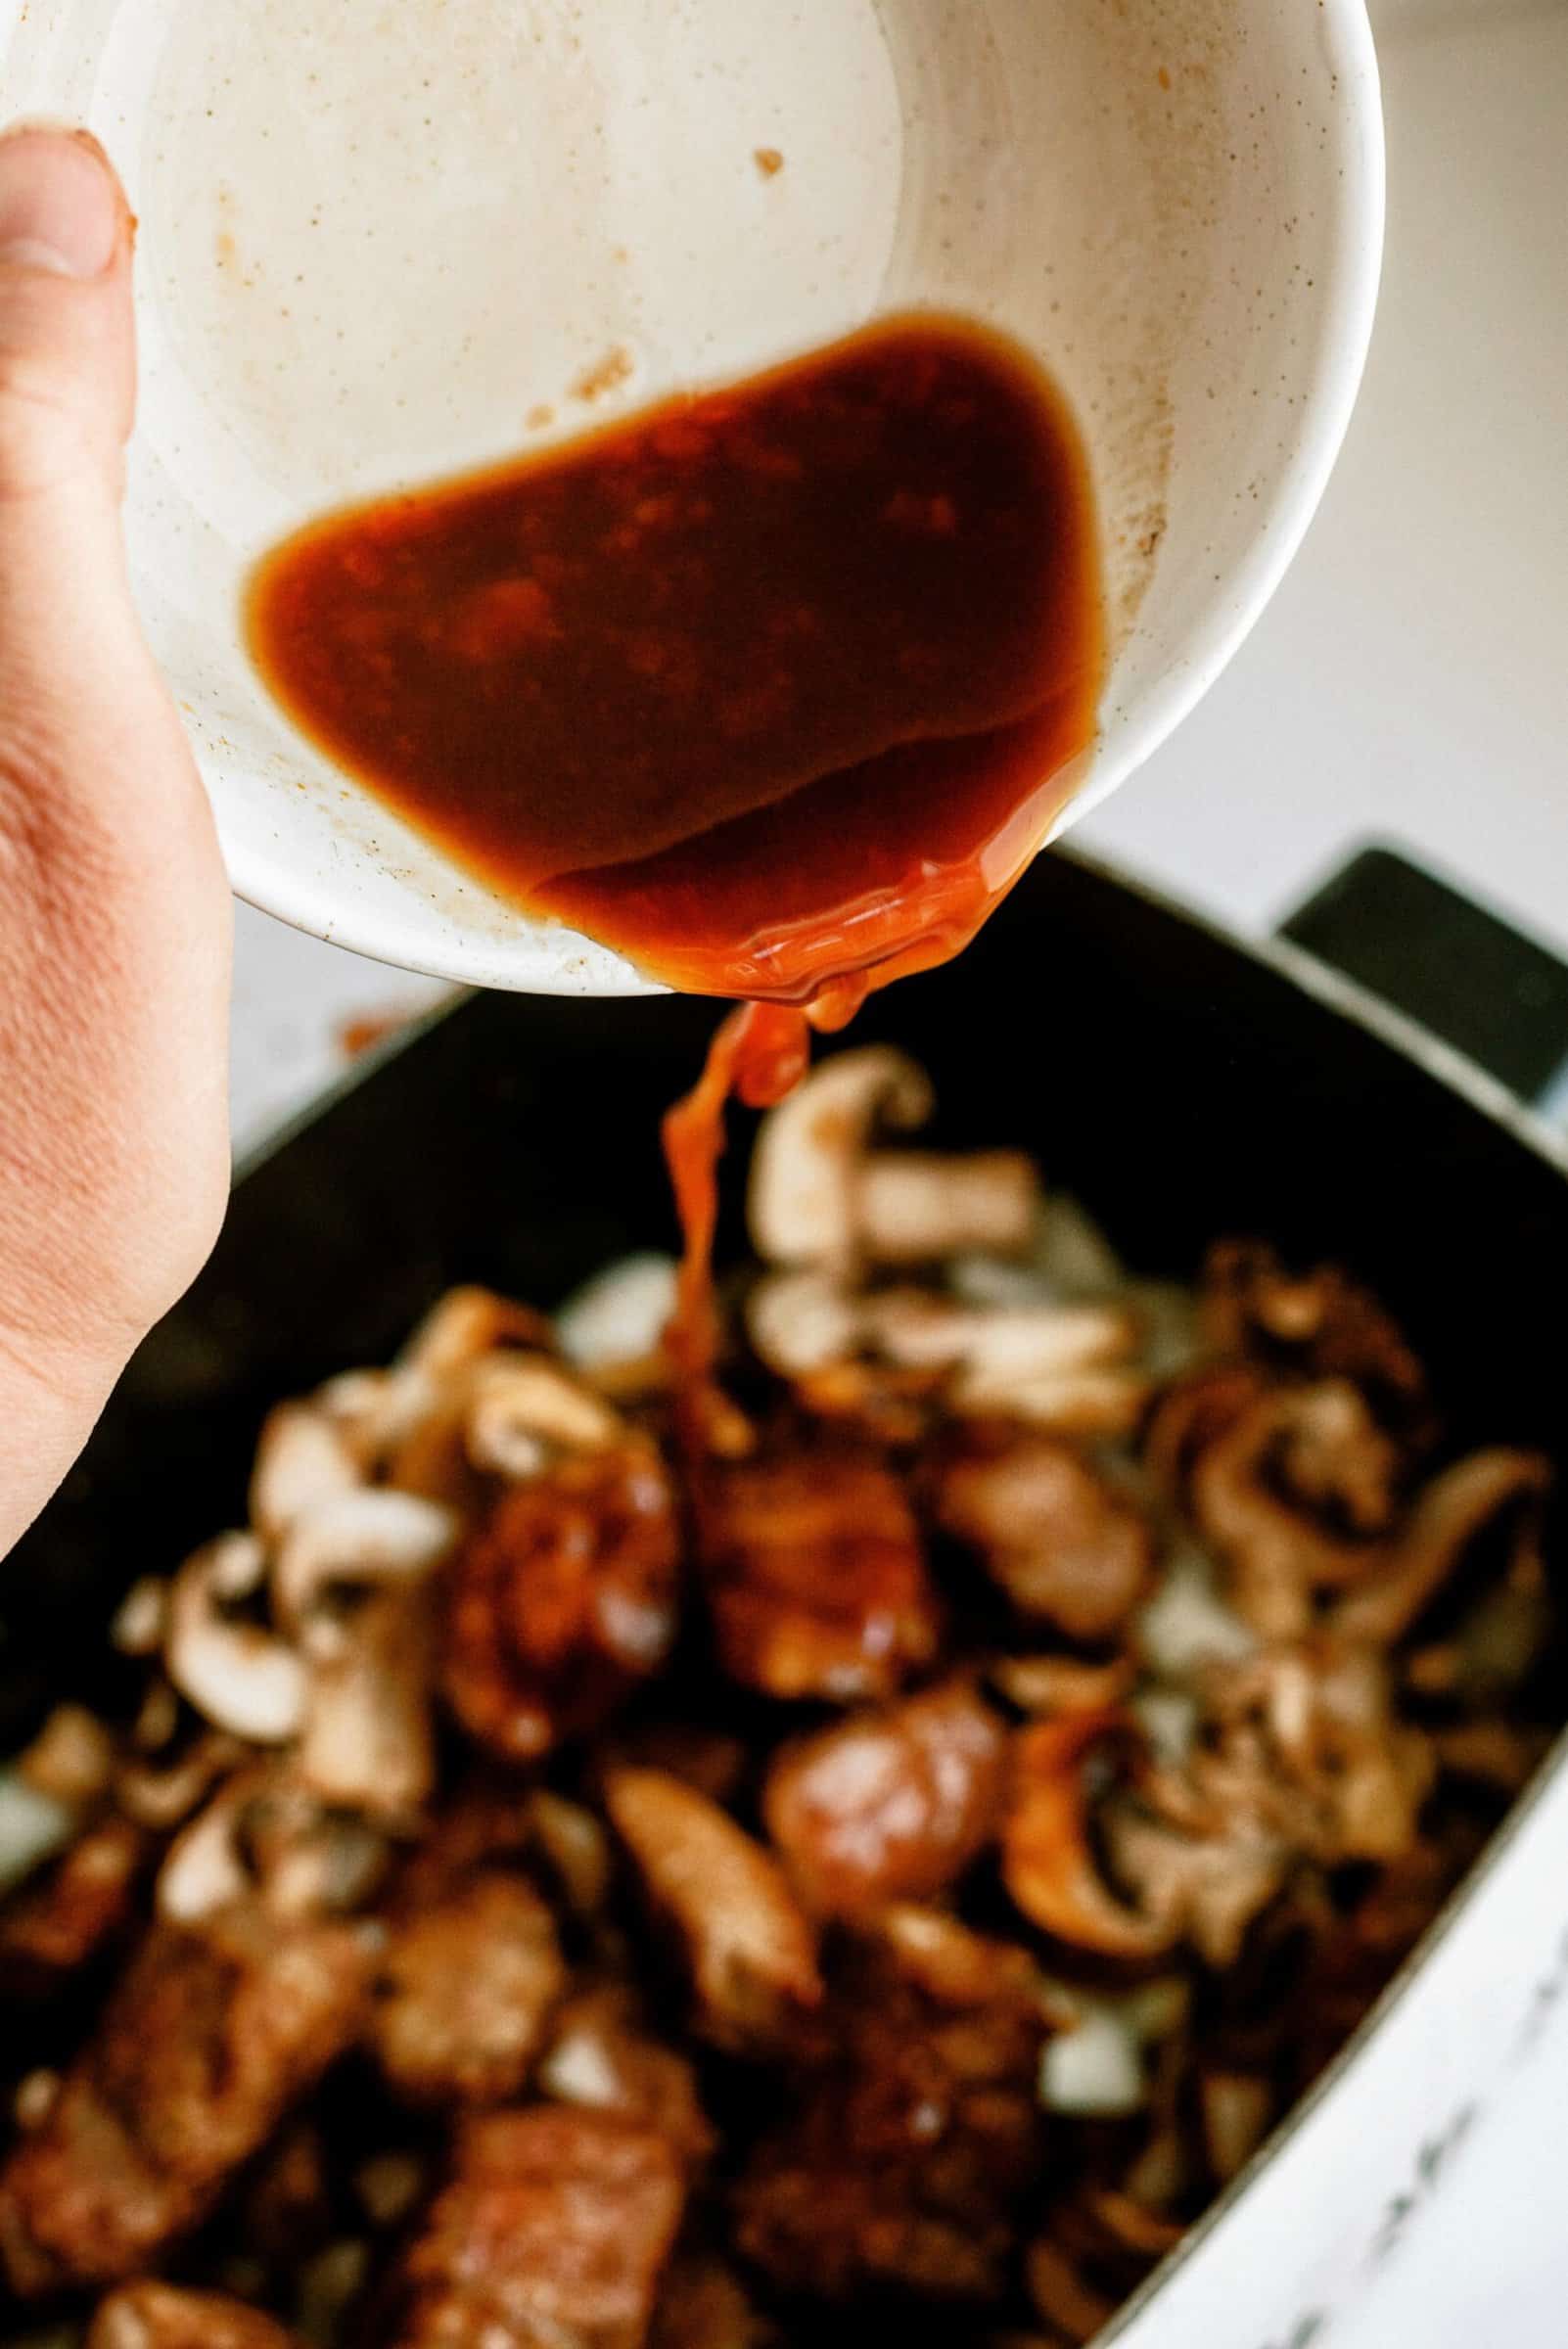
1179, 1087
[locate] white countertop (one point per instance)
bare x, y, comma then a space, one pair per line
1410, 684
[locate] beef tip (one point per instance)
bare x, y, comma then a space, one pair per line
553, 2234
561, 1601
1066, 1549
890, 1805
750, 1950
208, 2041
83, 1907
157, 2316
464, 1995
603, 2058
908, 2157
816, 1579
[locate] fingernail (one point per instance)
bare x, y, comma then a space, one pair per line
61, 207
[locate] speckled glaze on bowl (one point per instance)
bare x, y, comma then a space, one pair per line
381, 244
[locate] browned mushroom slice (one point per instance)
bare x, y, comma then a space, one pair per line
1204, 1887
1308, 1739
267, 1838
1063, 1683
751, 1953
561, 1601
1048, 1858
1239, 2110
1063, 2297
890, 1805
1450, 1515
602, 2057
1098, 2246
206, 2042
908, 2157
160, 2315
553, 2234
1064, 1549
1321, 1323
815, 1578
464, 1995
1295, 1497
1192, 1413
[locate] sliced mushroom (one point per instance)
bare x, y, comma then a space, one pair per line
750, 1950
524, 1407
1187, 1624
806, 1170
165, 2316
1273, 1534
803, 1321
375, 1412
1062, 1683
353, 1539
1238, 2109
1321, 1323
72, 1759
303, 1459
575, 1850
917, 1207
264, 1837
240, 1675
463, 1325
1048, 1860
160, 1796
994, 1352
1064, 2298
1091, 1405
621, 1316
141, 1619
1205, 1888
368, 1740
1341, 1774
205, 1870
1449, 1516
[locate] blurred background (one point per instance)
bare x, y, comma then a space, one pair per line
1408, 685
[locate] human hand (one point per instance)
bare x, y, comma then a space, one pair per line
115, 913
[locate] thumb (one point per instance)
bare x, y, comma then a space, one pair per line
67, 375
114, 906
67, 350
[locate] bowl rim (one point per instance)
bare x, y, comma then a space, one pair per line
1344, 341
520, 958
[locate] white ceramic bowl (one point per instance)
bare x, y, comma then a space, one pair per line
379, 239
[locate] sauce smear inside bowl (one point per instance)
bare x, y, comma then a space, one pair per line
771, 689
